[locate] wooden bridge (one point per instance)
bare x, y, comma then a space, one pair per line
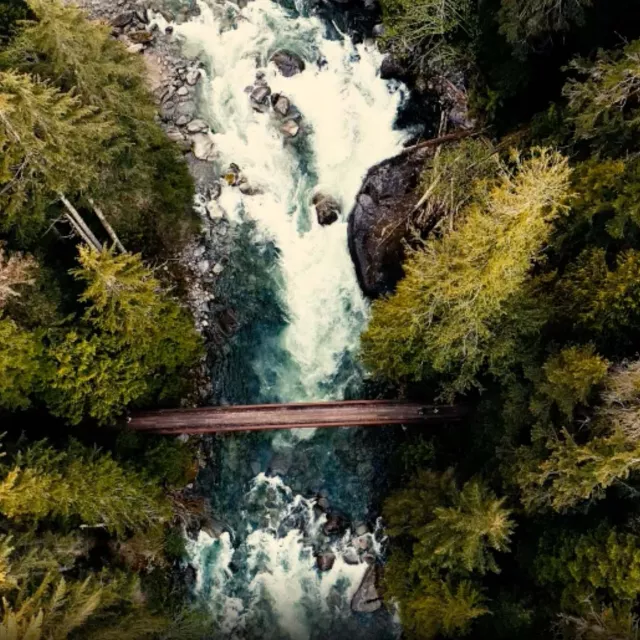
359, 413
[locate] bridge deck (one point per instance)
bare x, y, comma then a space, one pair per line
291, 416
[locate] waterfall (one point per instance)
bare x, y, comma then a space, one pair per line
264, 583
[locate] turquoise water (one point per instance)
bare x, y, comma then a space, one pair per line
279, 494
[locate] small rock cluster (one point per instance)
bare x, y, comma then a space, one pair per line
263, 100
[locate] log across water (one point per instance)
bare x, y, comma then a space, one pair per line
362, 413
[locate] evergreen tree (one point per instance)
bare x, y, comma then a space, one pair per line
445, 313
141, 183
570, 376
137, 342
79, 484
525, 21
574, 473
464, 534
20, 365
603, 100
602, 564
49, 144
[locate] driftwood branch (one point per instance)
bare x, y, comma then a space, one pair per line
79, 224
108, 228
436, 142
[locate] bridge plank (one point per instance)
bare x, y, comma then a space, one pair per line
291, 416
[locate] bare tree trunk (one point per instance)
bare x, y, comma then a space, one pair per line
436, 142
109, 229
79, 224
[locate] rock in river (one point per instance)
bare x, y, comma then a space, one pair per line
325, 561
290, 128
367, 599
203, 147
378, 222
327, 209
288, 63
281, 104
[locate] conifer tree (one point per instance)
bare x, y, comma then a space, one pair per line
574, 473
464, 534
136, 341
79, 484
570, 376
20, 365
603, 100
524, 21
446, 312
49, 144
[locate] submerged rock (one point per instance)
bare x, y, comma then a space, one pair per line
379, 221
328, 209
233, 175
367, 599
288, 63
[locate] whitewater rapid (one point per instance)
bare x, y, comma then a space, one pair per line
265, 576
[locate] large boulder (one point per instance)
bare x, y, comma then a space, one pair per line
379, 221
367, 599
288, 63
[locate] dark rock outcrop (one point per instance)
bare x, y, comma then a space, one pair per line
288, 63
378, 222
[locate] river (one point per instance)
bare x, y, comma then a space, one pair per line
290, 497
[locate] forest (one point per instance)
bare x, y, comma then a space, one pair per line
95, 205
523, 304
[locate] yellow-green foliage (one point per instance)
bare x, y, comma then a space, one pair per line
570, 376
574, 473
605, 561
79, 484
457, 288
604, 98
19, 365
453, 534
443, 610
465, 533
598, 298
611, 188
49, 143
137, 342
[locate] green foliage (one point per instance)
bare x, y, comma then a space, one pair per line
574, 473
608, 189
602, 102
570, 376
137, 344
79, 484
452, 534
49, 143
465, 533
141, 181
602, 300
11, 11
19, 365
443, 610
524, 21
445, 314
604, 562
